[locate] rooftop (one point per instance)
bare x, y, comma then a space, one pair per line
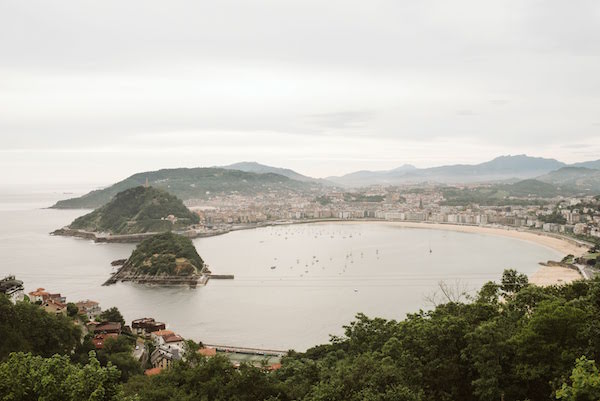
152, 372
208, 352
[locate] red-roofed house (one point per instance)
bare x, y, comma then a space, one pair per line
153, 371
38, 295
90, 308
108, 327
207, 352
99, 339
55, 307
274, 366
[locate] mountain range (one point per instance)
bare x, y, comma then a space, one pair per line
192, 183
499, 169
252, 178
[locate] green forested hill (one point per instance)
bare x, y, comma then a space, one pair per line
165, 253
191, 183
138, 210
577, 178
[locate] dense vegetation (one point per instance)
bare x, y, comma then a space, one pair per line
527, 192
44, 356
165, 253
510, 341
27, 327
25, 377
524, 348
554, 217
360, 197
138, 210
191, 183
575, 179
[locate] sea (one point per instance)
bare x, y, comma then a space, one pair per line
294, 286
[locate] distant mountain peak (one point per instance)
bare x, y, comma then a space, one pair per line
255, 167
500, 168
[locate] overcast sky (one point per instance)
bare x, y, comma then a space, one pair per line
93, 91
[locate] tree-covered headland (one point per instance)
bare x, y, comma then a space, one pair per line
138, 210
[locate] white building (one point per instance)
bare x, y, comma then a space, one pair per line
12, 288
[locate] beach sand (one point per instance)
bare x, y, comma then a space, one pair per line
561, 245
554, 275
545, 275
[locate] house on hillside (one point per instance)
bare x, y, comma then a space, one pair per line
163, 357
146, 326
152, 372
41, 295
12, 288
54, 307
38, 295
89, 308
108, 327
99, 339
167, 337
207, 352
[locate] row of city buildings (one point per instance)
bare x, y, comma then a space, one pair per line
577, 216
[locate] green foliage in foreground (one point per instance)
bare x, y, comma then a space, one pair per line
585, 383
512, 341
27, 327
138, 210
521, 348
159, 254
25, 377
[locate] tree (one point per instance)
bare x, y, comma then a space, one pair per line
207, 379
546, 345
585, 383
118, 352
72, 309
111, 315
25, 377
28, 328
512, 281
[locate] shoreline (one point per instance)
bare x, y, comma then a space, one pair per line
561, 244
545, 275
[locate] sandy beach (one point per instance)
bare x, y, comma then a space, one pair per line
561, 245
545, 275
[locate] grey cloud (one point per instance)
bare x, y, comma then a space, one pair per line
82, 73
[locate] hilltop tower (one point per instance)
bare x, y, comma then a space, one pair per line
146, 185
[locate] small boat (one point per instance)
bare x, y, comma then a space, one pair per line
273, 267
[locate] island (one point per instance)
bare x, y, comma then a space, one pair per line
132, 215
164, 259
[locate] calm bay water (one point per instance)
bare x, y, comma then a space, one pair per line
294, 285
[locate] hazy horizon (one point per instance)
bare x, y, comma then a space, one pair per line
91, 93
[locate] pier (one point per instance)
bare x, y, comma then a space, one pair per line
247, 351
